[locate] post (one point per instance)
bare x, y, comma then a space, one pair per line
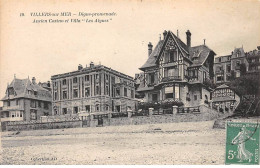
151, 111
129, 112
174, 110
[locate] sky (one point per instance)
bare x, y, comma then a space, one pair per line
44, 49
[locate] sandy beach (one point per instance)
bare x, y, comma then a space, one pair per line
173, 143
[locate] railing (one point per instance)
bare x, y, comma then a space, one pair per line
17, 107
120, 114
171, 78
11, 119
163, 111
182, 110
140, 113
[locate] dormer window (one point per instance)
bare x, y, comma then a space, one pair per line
238, 54
10, 91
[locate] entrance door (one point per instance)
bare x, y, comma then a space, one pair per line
100, 120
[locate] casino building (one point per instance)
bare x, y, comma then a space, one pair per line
93, 89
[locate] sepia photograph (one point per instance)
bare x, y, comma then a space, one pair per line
135, 82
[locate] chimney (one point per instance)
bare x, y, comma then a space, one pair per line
80, 67
204, 41
49, 84
150, 48
34, 80
188, 38
91, 64
164, 34
258, 47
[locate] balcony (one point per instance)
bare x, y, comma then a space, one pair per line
237, 67
171, 78
12, 119
18, 107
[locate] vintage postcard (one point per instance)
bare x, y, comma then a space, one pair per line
135, 82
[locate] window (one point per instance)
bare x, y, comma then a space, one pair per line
238, 54
228, 68
64, 94
75, 93
17, 102
117, 91
64, 111
45, 105
172, 72
107, 90
87, 78
87, 92
87, 108
33, 104
118, 108
132, 94
125, 92
75, 110
151, 78
168, 92
55, 83
10, 91
13, 114
35, 93
75, 80
238, 63
39, 104
219, 59
107, 107
33, 114
173, 56
97, 76
97, 90
155, 97
21, 114
228, 58
220, 78
64, 81
195, 97
55, 95
97, 107
8, 103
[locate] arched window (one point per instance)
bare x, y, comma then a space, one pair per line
97, 107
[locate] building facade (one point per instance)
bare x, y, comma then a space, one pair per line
224, 99
25, 101
230, 66
96, 88
177, 72
253, 58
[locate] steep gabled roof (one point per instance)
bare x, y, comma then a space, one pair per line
21, 87
153, 56
201, 52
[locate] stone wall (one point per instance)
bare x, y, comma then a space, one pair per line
205, 115
46, 125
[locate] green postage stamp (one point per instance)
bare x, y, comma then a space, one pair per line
242, 143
